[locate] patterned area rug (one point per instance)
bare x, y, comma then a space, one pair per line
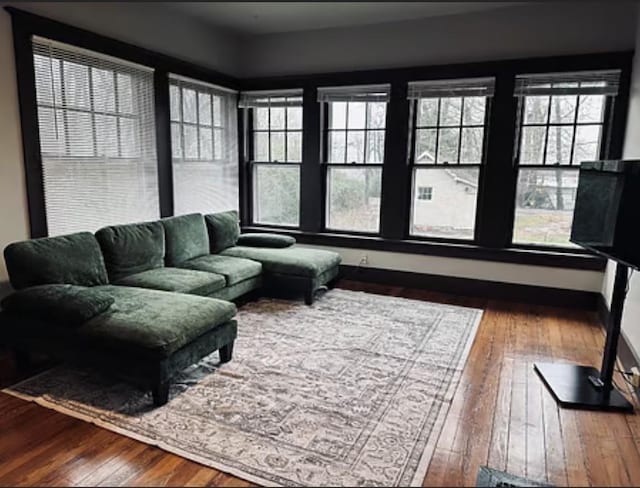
352, 391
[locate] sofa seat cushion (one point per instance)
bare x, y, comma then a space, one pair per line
294, 260
185, 237
67, 305
257, 239
73, 259
153, 323
233, 269
176, 280
132, 248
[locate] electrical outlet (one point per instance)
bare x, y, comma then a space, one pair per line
364, 260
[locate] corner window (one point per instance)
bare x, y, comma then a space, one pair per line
562, 122
96, 122
203, 146
449, 131
354, 142
275, 155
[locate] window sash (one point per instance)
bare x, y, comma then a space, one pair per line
574, 125
462, 127
288, 194
96, 121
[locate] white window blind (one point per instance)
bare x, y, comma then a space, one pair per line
361, 93
204, 146
97, 138
604, 82
470, 87
271, 98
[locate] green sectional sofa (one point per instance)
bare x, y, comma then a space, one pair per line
144, 301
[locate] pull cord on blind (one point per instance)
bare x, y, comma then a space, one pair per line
97, 138
603, 82
470, 87
362, 93
204, 146
271, 98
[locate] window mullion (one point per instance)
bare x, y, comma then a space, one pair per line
346, 132
395, 202
93, 114
436, 158
366, 131
546, 131
462, 104
496, 191
575, 129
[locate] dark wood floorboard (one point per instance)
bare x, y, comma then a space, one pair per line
501, 416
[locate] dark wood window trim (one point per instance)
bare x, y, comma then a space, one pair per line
497, 185
25, 25
249, 163
497, 181
459, 250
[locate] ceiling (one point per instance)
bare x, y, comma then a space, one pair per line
253, 18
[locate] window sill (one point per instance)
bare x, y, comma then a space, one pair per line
534, 257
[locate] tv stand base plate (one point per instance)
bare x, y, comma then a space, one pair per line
572, 387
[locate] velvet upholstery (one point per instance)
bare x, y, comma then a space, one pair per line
233, 269
146, 370
223, 229
154, 323
242, 288
133, 248
74, 259
257, 239
296, 261
68, 305
177, 280
185, 237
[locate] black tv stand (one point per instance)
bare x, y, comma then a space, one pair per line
584, 387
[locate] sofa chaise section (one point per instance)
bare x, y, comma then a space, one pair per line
292, 268
146, 336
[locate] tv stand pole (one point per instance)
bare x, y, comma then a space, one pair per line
584, 387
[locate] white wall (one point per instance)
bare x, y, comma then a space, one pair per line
481, 270
148, 25
543, 29
631, 316
14, 223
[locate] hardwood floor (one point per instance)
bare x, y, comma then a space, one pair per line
501, 416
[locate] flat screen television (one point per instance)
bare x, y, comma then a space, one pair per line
606, 218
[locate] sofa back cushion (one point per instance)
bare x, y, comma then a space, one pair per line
73, 259
132, 248
186, 238
224, 230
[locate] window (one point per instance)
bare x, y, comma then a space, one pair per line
561, 123
275, 155
425, 192
97, 138
204, 146
355, 137
449, 120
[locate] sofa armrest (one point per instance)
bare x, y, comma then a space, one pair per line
67, 305
265, 240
